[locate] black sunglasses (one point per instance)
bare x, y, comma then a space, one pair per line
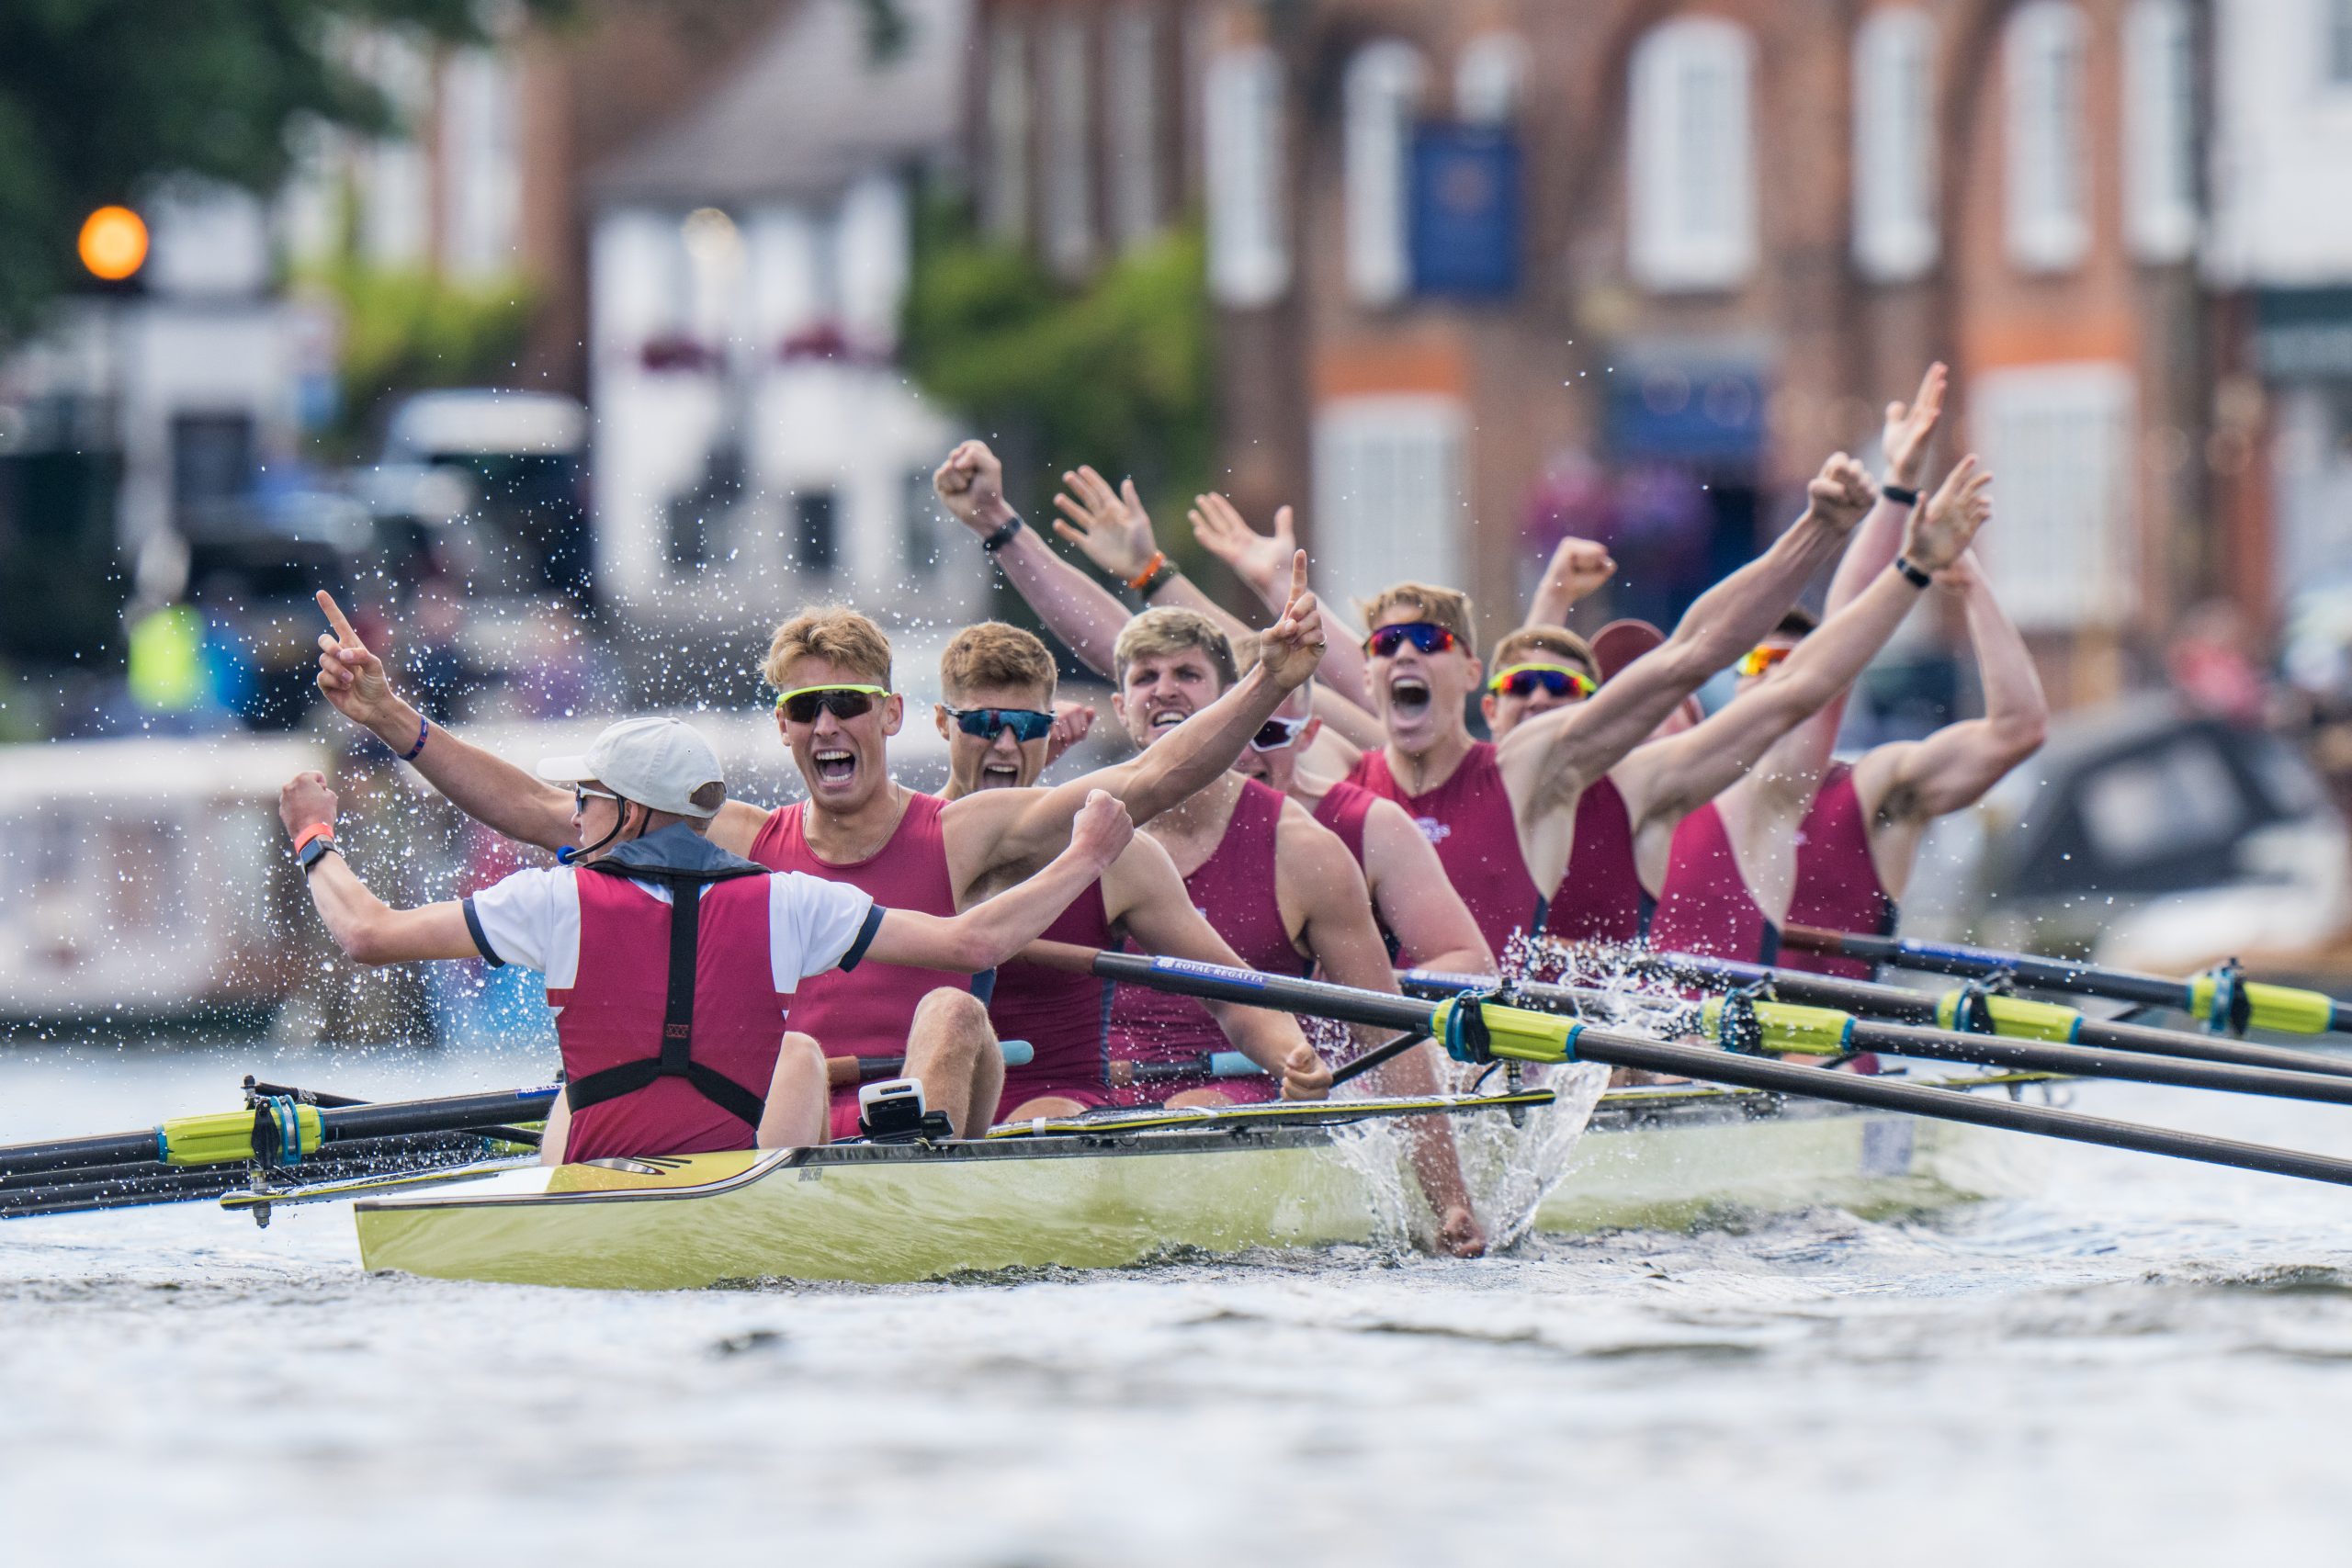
1026, 724
801, 706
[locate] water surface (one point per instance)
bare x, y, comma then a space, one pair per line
2142, 1360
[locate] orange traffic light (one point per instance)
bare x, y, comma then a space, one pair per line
114, 243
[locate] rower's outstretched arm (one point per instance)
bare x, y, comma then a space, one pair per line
1553, 756
1950, 771
1258, 559
990, 932
485, 787
1578, 569
368, 929
999, 828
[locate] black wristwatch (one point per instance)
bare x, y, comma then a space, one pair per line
1913, 575
1004, 535
1902, 493
317, 849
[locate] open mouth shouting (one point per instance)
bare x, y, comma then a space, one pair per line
1409, 695
999, 775
835, 765
1168, 718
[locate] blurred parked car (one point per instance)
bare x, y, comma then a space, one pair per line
488, 488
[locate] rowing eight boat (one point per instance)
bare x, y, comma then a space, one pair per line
1108, 1193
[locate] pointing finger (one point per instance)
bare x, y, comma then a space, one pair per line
1298, 574
336, 618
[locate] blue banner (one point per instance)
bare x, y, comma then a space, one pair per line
1465, 220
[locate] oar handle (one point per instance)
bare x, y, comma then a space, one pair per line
846, 1072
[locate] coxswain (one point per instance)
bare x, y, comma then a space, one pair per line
1003, 725
670, 963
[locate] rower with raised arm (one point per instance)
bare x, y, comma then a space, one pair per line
999, 719
836, 713
670, 963
1507, 817
1282, 889
1860, 839
1752, 769
1418, 908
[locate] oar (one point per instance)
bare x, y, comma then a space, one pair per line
279, 1131
2219, 999
1475, 1029
840, 1072
257, 1092
1969, 1010
1746, 1023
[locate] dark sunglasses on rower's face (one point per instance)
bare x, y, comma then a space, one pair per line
1026, 724
581, 794
1276, 733
1426, 636
802, 706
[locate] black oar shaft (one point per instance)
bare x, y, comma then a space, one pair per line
1614, 1048
1853, 1088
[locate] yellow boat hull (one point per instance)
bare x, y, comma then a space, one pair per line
902, 1212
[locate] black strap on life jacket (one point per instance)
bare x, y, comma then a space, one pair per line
676, 1057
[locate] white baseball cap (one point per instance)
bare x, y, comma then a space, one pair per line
658, 762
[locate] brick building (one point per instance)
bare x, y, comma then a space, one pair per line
1491, 269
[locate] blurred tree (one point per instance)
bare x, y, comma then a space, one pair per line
1116, 372
98, 95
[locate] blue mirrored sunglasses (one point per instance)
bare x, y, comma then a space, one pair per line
1026, 724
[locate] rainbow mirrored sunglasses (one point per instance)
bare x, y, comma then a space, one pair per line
802, 705
1756, 661
1427, 636
1560, 680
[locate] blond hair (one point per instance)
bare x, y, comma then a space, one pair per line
1171, 629
1560, 643
1447, 607
994, 654
834, 633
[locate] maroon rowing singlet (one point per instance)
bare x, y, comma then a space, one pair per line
613, 1012
1599, 899
1469, 818
867, 1010
1837, 886
1233, 890
1706, 906
1343, 809
1065, 1018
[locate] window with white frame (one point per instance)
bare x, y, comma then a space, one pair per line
1132, 105
1070, 177
2048, 164
1389, 490
1894, 144
1009, 110
1691, 151
2160, 130
1383, 91
2058, 438
1249, 241
482, 180
1489, 78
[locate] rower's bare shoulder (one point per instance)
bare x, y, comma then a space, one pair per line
737, 825
1305, 847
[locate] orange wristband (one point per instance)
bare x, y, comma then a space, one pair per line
315, 830
1158, 558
